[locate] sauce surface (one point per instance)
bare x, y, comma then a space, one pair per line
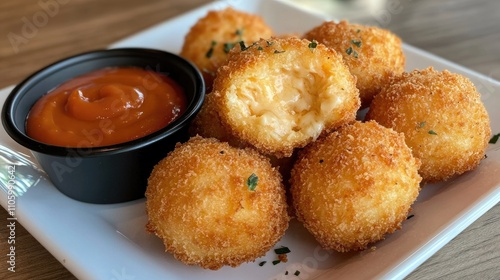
106, 107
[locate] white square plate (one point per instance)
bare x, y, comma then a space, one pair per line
110, 242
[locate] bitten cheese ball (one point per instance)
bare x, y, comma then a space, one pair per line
280, 94
215, 205
354, 186
443, 119
372, 54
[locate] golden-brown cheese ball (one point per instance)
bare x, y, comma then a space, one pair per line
282, 93
355, 185
211, 37
372, 54
443, 119
215, 205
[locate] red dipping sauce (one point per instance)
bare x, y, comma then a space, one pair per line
106, 107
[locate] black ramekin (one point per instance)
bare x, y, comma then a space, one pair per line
109, 174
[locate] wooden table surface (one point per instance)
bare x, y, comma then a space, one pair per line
464, 31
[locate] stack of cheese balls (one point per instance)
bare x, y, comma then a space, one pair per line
280, 115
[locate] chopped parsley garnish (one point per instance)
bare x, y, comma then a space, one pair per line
348, 50
432, 132
242, 45
228, 47
262, 263
210, 51
276, 51
494, 139
282, 250
297, 273
239, 32
357, 43
421, 124
252, 182
313, 45
259, 48
275, 262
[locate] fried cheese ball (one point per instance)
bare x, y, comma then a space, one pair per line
354, 186
372, 54
211, 37
215, 205
443, 119
282, 93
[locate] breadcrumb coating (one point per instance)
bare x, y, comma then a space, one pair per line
443, 119
215, 205
211, 37
282, 93
355, 185
372, 54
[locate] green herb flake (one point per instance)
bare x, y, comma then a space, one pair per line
421, 124
275, 262
313, 45
259, 48
297, 273
348, 51
276, 51
282, 250
269, 43
359, 30
242, 45
239, 32
252, 182
494, 139
432, 132
355, 54
357, 43
262, 263
228, 47
210, 51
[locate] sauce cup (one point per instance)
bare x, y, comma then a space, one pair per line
108, 174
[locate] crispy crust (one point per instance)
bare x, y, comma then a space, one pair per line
442, 117
375, 54
207, 124
355, 185
221, 27
198, 203
282, 93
